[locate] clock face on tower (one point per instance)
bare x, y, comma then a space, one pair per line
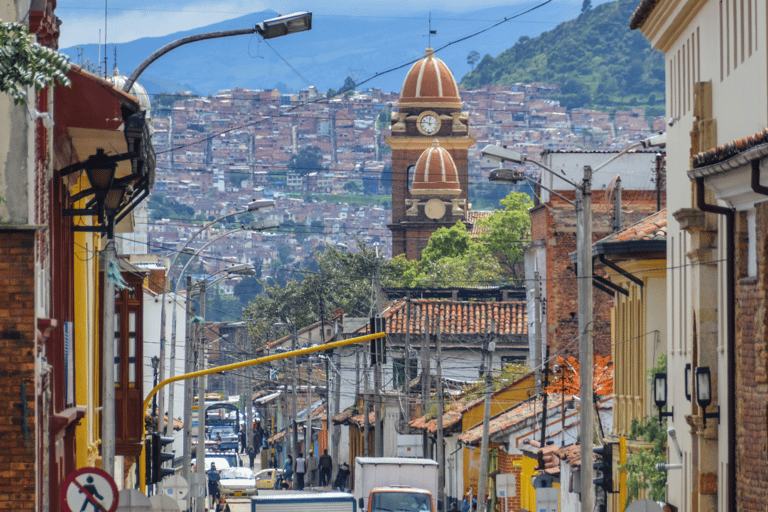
428, 123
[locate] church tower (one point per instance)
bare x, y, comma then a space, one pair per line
430, 143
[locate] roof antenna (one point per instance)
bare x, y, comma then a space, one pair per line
431, 32
106, 55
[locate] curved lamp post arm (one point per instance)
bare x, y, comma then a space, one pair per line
274, 27
180, 42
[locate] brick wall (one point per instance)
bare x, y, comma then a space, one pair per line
507, 466
17, 363
752, 377
555, 223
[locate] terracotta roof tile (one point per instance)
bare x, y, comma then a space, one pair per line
508, 419
472, 216
458, 317
722, 153
641, 13
653, 227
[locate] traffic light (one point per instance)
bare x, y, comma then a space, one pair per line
158, 458
604, 468
148, 458
379, 345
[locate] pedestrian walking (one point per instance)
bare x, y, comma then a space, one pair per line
301, 470
326, 467
311, 470
288, 468
272, 461
243, 440
251, 454
213, 484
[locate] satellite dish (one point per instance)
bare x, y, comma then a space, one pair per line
644, 506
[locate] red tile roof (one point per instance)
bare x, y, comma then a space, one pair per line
509, 419
641, 13
722, 153
653, 227
457, 317
472, 216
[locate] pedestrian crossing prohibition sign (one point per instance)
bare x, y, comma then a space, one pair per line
89, 490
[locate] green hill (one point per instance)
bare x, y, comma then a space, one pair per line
596, 59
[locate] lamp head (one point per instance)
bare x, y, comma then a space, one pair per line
703, 386
506, 175
658, 141
660, 389
501, 154
284, 25
260, 204
240, 268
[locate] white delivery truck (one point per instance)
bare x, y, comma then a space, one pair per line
305, 502
395, 483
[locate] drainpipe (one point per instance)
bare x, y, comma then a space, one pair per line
730, 272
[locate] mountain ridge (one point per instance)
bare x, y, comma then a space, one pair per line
596, 59
365, 48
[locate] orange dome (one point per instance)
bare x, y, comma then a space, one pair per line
435, 173
430, 83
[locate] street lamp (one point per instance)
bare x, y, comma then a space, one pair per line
274, 27
251, 207
583, 207
234, 270
293, 441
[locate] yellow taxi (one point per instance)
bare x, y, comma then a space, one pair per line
265, 479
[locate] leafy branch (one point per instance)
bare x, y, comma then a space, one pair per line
641, 465
25, 63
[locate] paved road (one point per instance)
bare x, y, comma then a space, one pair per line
243, 504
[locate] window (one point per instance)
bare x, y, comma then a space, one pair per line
398, 370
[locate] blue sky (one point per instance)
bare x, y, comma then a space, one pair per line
130, 20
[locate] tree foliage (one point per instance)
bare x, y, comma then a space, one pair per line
506, 232
308, 159
641, 465
335, 279
598, 61
451, 259
473, 58
25, 63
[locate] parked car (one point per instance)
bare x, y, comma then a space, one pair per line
267, 478
229, 439
238, 482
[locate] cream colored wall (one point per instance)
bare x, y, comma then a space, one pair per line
690, 32
638, 336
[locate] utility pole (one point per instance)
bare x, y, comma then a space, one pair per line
586, 348
201, 387
108, 362
426, 386
336, 409
544, 401
294, 424
377, 433
537, 328
366, 417
286, 412
308, 420
489, 349
440, 447
407, 379
188, 397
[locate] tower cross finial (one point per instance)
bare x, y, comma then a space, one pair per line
431, 32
